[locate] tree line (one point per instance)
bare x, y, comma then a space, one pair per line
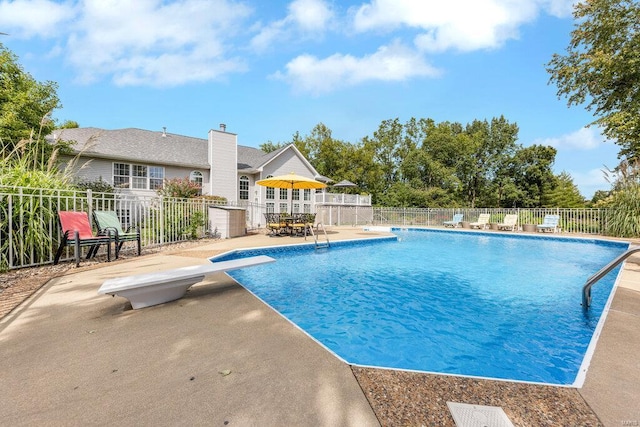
422, 163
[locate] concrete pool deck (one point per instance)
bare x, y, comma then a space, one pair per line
219, 356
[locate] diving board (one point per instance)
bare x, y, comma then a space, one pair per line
144, 290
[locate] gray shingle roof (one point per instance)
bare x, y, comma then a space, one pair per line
138, 145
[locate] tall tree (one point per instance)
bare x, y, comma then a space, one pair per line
565, 194
25, 105
489, 145
601, 68
533, 175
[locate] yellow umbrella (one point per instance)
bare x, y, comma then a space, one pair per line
292, 181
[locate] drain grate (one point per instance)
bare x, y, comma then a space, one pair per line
466, 415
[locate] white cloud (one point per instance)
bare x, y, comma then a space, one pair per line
150, 42
310, 15
145, 42
559, 8
305, 18
582, 139
463, 25
395, 62
35, 18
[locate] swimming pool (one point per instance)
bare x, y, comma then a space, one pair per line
478, 304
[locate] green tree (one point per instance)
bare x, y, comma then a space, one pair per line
269, 146
533, 175
601, 68
25, 106
489, 146
69, 124
622, 208
598, 196
385, 144
565, 194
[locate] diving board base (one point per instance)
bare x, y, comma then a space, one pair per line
145, 290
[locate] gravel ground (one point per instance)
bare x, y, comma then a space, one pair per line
398, 398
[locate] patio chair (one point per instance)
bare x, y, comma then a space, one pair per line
76, 231
482, 222
275, 226
509, 222
549, 223
109, 224
298, 224
455, 222
302, 223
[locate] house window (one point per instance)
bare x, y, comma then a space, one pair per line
296, 208
307, 208
284, 208
196, 178
271, 193
307, 195
156, 177
284, 195
270, 207
295, 195
137, 176
244, 188
121, 175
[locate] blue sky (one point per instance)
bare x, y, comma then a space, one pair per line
268, 69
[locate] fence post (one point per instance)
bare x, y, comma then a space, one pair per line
161, 220
89, 202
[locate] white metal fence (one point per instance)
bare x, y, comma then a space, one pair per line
580, 221
30, 232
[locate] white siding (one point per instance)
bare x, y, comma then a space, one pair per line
91, 170
223, 158
103, 169
285, 163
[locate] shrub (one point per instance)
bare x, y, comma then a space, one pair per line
179, 187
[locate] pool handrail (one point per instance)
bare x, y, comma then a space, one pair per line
586, 289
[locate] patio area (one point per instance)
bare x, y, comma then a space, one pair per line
219, 356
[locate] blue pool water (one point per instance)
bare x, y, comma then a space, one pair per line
475, 304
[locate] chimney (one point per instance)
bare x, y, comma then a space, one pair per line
223, 127
164, 131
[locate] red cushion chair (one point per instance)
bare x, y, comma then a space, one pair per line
76, 231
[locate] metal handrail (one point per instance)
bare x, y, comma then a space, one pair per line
315, 237
586, 289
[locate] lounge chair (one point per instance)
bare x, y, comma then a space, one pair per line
482, 222
109, 224
549, 223
455, 222
509, 222
76, 231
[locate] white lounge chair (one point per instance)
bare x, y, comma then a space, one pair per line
144, 290
482, 222
455, 222
509, 222
549, 223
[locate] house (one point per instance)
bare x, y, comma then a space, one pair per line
137, 161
